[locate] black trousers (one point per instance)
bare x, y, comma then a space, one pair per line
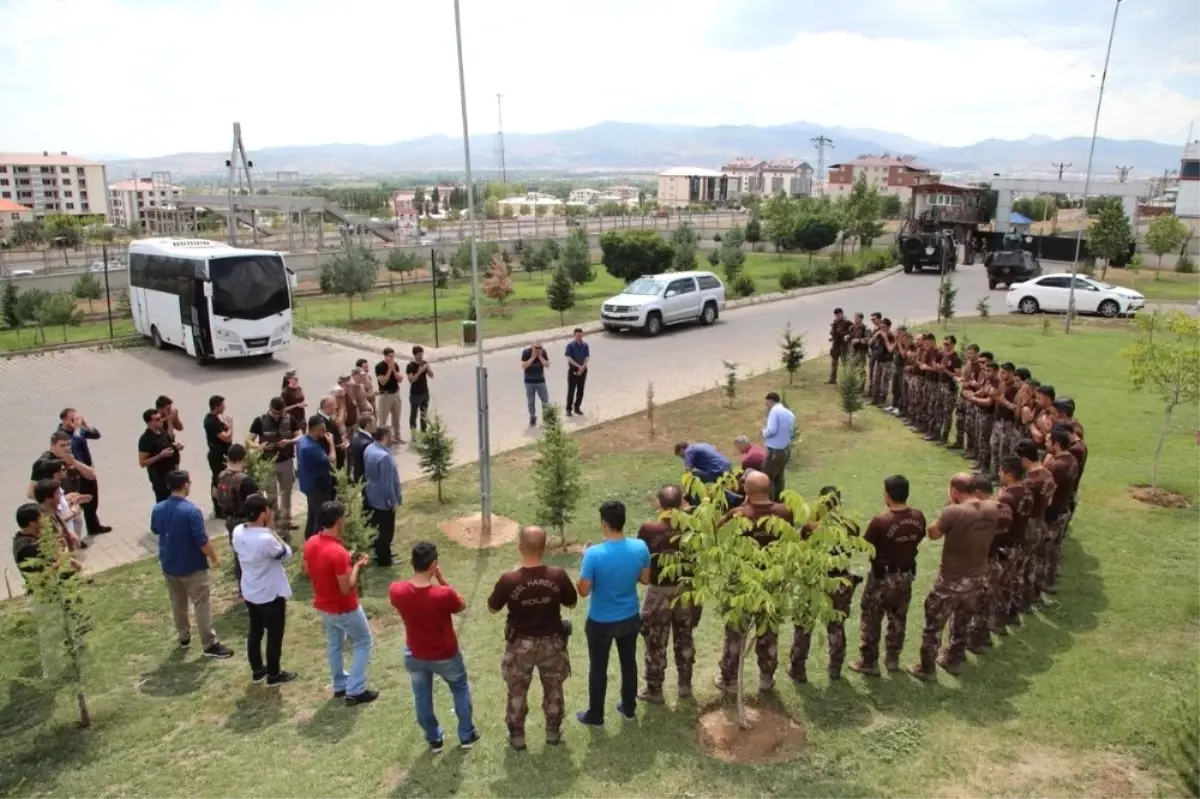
267, 619
418, 410
91, 516
216, 465
385, 522
158, 483
575, 384
315, 499
600, 638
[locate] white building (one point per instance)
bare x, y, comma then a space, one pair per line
787, 175
682, 186
1187, 198
54, 183
628, 194
745, 175
583, 196
129, 199
531, 200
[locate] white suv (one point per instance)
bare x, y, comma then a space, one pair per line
654, 301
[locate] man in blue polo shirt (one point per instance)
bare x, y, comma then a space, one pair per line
609, 578
314, 470
578, 353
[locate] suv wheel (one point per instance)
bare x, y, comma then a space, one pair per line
654, 324
1028, 305
709, 314
992, 284
1109, 309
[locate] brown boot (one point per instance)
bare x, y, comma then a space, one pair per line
865, 669
921, 673
685, 690
892, 663
652, 696
954, 669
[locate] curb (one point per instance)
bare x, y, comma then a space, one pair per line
120, 342
375, 343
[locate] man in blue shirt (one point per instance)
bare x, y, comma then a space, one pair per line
534, 362
185, 553
578, 353
314, 470
383, 492
609, 577
703, 460
777, 438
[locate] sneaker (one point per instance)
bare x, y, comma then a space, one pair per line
621, 712
583, 718
281, 678
533, 421
218, 651
437, 746
184, 643
469, 744
365, 698
258, 676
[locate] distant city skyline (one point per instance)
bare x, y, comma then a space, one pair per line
136, 78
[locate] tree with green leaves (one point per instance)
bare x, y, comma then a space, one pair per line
435, 198
814, 232
850, 389
553, 251
683, 246
351, 273
10, 304
714, 259
731, 382
1166, 234
630, 254
1110, 236
29, 306
401, 262
435, 452
26, 234
87, 287
791, 352
577, 257
754, 232
756, 589
947, 299
1165, 359
58, 310
861, 211
358, 534
731, 256
556, 474
560, 292
63, 231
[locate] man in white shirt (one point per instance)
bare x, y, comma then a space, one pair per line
265, 588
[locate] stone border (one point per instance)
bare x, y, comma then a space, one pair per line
373, 343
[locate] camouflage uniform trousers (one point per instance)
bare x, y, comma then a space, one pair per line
766, 650
881, 380
898, 387
984, 426
947, 397
993, 611
1002, 442
662, 620
1016, 580
964, 424
842, 598
549, 656
1052, 551
887, 596
956, 602
1031, 564
916, 400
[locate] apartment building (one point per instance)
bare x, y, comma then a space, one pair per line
745, 175
755, 176
129, 200
10, 214
626, 194
682, 186
583, 196
54, 183
889, 174
404, 203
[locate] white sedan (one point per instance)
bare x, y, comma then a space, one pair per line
1051, 294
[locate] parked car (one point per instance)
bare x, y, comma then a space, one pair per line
98, 266
21, 273
1011, 267
652, 302
1050, 294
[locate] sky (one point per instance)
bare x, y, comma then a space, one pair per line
139, 78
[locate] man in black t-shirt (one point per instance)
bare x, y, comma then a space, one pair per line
218, 433
274, 435
419, 373
535, 362
25, 542
388, 405
157, 453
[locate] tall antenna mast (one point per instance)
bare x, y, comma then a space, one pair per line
238, 165
500, 116
1060, 167
821, 142
1123, 172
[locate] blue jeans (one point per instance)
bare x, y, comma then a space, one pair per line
536, 391
338, 628
454, 672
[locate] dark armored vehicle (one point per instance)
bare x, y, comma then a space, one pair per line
942, 217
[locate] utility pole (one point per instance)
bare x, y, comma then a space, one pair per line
237, 153
500, 117
1123, 172
1060, 167
821, 142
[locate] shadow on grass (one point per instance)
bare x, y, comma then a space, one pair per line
548, 771
257, 708
33, 768
175, 676
30, 700
332, 722
434, 775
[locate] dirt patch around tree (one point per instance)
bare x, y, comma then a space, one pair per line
467, 531
773, 737
1158, 496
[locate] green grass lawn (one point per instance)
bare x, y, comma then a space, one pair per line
1078, 702
25, 338
1169, 286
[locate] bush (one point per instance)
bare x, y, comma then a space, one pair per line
807, 278
789, 278
824, 273
742, 286
1185, 265
845, 270
876, 262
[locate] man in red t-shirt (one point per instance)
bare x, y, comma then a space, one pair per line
431, 647
335, 597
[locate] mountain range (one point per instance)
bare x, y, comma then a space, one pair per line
633, 147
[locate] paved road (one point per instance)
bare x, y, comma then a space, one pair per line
112, 389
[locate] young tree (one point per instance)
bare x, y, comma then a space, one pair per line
10, 304
731, 256
560, 292
59, 311
651, 407
791, 352
435, 452
26, 234
55, 587
683, 246
401, 262
629, 254
753, 588
714, 258
754, 231
349, 274
1110, 236
556, 474
1166, 234
861, 212
553, 251
87, 287
435, 198
498, 286
984, 308
358, 534
1165, 359
850, 389
577, 257
731, 381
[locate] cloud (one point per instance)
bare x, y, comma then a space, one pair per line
145, 77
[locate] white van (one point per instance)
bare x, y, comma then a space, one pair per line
654, 301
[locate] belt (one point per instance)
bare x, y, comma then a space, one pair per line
778, 449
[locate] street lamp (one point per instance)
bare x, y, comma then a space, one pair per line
1087, 178
481, 390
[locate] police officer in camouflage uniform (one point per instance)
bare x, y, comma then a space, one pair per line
946, 385
1004, 428
964, 421
895, 534
839, 329
983, 400
534, 595
968, 525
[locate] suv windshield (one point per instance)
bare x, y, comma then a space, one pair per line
644, 287
249, 286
